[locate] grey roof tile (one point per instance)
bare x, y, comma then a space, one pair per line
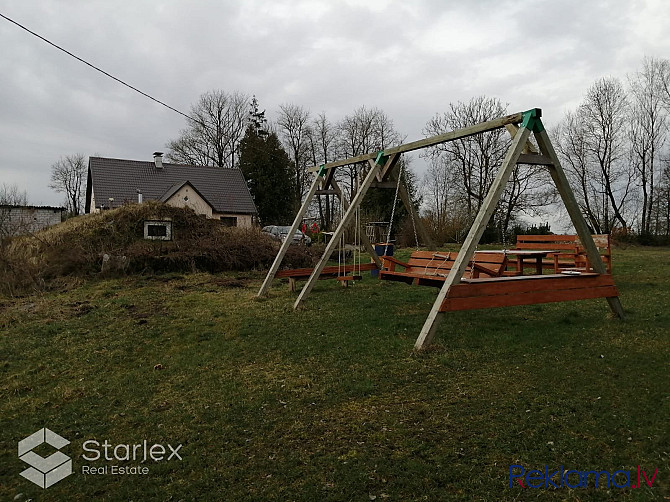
225, 189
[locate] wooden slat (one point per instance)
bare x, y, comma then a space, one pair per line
525, 283
508, 291
534, 159
546, 238
528, 298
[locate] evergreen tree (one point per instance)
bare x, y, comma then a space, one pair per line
269, 174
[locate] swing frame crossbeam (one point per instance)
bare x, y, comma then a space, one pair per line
382, 169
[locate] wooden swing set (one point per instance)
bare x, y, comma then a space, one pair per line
469, 279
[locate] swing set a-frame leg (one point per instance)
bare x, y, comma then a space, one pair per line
530, 124
364, 238
568, 197
375, 168
318, 181
476, 231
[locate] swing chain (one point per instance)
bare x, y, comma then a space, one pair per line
395, 202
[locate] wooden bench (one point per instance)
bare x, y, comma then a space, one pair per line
344, 273
429, 268
570, 253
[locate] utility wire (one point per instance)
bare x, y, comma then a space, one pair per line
96, 68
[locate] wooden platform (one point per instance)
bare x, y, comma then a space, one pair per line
527, 290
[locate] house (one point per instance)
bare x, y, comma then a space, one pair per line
20, 220
214, 192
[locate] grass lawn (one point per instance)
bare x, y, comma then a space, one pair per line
330, 402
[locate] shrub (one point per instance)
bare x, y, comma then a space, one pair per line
77, 246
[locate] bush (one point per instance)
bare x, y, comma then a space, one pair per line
77, 246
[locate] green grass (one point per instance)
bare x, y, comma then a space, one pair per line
330, 402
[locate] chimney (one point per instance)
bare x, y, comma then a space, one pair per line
158, 160
139, 196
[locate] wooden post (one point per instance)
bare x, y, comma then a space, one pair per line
349, 214
289, 238
475, 234
558, 175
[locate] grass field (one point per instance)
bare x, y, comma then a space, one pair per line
330, 403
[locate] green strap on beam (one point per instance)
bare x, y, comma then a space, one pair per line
531, 120
322, 168
381, 158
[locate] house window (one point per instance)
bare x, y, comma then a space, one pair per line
229, 221
158, 230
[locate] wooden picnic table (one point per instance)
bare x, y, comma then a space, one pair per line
523, 254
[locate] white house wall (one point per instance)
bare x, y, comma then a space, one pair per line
187, 197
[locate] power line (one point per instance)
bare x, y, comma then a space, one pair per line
96, 68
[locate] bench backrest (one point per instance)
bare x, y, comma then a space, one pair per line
440, 263
431, 262
566, 243
569, 244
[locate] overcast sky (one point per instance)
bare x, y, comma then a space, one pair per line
410, 59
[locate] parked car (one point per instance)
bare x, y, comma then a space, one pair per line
281, 232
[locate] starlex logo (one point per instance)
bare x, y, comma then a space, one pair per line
559, 478
45, 472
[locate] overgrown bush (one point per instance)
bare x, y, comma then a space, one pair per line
77, 246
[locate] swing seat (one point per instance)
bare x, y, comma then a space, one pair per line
429, 268
331, 272
508, 291
344, 279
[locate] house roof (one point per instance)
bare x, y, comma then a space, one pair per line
224, 189
50, 208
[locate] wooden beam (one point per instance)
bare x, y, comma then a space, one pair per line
566, 193
326, 192
491, 125
512, 130
318, 180
534, 159
348, 216
475, 234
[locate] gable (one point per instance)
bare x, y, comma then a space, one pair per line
187, 196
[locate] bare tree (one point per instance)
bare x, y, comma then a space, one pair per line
366, 130
215, 129
293, 124
474, 160
67, 176
648, 133
10, 195
604, 114
322, 136
570, 143
664, 67
470, 165
663, 206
